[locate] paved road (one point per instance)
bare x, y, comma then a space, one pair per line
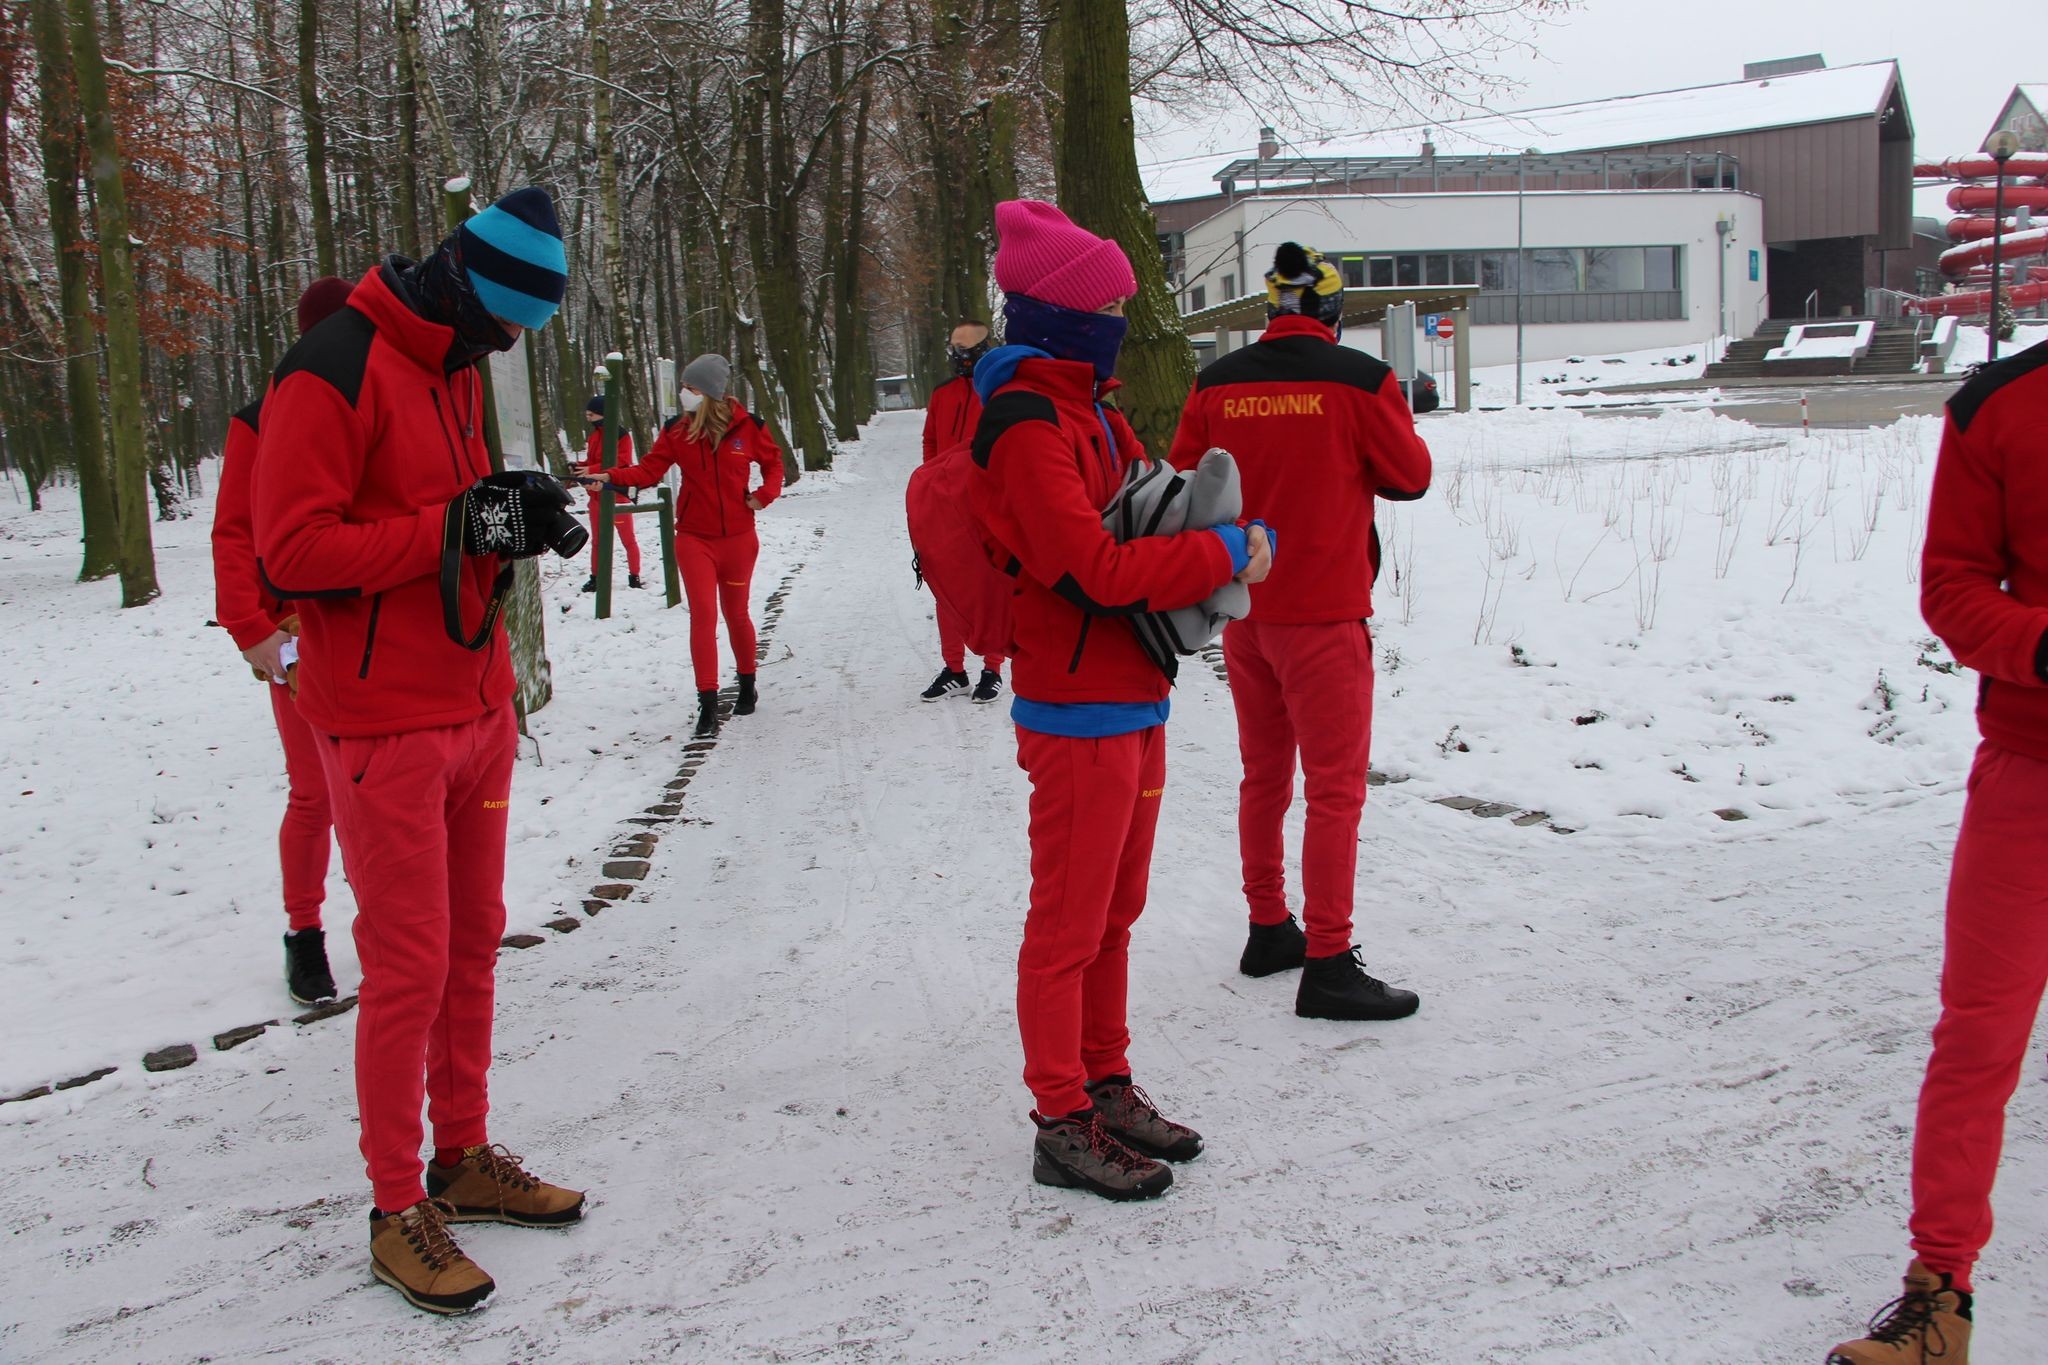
1838, 405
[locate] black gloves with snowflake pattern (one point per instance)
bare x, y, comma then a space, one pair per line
518, 514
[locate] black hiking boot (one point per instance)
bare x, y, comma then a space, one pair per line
989, 688
306, 974
744, 704
1338, 988
1131, 1117
947, 684
1078, 1153
633, 581
707, 716
590, 583
1274, 948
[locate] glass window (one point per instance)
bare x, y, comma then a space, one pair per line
1497, 272
1198, 298
1407, 270
1556, 270
1436, 269
1354, 272
1465, 269
1229, 287
1614, 269
1382, 272
1660, 267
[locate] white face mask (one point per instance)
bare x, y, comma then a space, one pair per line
691, 400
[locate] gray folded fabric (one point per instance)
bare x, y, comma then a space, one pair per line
1158, 500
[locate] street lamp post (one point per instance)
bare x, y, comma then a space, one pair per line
2002, 145
1521, 265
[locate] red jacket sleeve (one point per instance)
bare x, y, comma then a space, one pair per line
1967, 560
768, 456
1062, 544
239, 602
666, 451
1191, 438
305, 545
1397, 464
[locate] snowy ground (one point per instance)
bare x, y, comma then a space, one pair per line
1543, 381
1655, 1107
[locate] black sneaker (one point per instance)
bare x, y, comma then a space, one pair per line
1274, 948
1078, 1153
1131, 1117
947, 684
633, 581
744, 704
989, 688
590, 583
707, 716
1338, 988
306, 974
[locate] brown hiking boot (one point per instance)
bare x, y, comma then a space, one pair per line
490, 1186
1928, 1323
413, 1253
1131, 1117
1078, 1153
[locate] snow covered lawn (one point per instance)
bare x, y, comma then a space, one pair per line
1655, 1106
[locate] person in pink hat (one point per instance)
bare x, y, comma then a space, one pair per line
1089, 704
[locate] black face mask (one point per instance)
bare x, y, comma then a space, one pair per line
442, 293
964, 357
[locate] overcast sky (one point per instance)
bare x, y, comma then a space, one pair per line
1960, 58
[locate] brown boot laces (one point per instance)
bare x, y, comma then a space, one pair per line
427, 1233
504, 1170
1910, 1315
1104, 1144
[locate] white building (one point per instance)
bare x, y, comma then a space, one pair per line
1606, 270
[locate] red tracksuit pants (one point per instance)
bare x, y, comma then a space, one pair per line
1993, 973
1094, 811
718, 573
953, 643
627, 537
421, 817
1306, 691
305, 839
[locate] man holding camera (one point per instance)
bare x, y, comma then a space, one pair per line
375, 504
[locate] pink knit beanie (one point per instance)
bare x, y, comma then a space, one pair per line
1042, 254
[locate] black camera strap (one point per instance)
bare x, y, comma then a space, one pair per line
451, 581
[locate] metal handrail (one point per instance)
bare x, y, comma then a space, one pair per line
1813, 305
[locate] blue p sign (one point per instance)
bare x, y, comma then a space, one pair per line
1430, 323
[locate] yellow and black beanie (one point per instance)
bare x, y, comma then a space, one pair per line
1301, 281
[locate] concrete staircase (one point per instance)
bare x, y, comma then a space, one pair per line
1893, 350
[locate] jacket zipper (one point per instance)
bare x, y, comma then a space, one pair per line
441, 420
370, 635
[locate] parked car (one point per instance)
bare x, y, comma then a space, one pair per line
1424, 397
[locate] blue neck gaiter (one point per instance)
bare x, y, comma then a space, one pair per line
1064, 334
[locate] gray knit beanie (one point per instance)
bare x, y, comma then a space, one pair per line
710, 375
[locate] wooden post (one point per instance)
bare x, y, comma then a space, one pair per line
1461, 353
671, 580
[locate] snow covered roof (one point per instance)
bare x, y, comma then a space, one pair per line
1700, 112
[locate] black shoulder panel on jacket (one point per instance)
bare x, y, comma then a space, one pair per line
338, 351
1296, 360
1007, 410
669, 425
247, 416
1989, 379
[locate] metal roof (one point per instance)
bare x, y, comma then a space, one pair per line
1362, 307
1282, 171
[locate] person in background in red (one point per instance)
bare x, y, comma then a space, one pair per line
373, 488
1090, 705
1984, 591
950, 419
593, 461
717, 445
266, 632
1318, 430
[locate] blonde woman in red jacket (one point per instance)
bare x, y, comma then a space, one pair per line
716, 445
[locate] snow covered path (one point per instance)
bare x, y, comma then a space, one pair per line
1654, 1108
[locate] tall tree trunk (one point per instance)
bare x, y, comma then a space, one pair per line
405, 26
316, 137
1101, 190
618, 320
117, 295
61, 163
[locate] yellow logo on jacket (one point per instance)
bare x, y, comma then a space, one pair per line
496, 805
1275, 405
1152, 793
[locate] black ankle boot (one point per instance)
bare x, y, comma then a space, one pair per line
744, 705
1271, 948
306, 975
1337, 987
707, 715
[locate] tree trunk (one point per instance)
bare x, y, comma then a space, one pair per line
619, 319
1101, 190
316, 137
117, 295
405, 27
61, 164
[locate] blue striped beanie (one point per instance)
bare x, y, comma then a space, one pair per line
512, 252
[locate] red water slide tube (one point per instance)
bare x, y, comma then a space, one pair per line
1971, 198
1977, 229
1978, 303
1981, 167
2018, 246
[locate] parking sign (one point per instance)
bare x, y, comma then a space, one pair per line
1430, 323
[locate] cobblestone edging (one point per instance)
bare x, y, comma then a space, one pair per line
627, 866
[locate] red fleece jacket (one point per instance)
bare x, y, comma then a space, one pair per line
365, 440
244, 608
1318, 430
715, 478
1984, 572
1049, 468
951, 416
